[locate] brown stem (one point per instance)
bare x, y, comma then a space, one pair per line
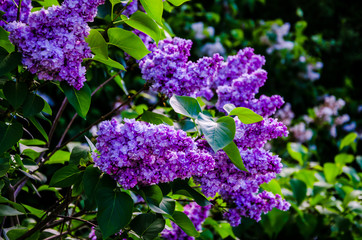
56, 120
40, 225
19, 9
69, 218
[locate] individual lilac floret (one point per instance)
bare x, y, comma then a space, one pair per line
170, 72
257, 134
53, 43
240, 189
197, 215
145, 154
11, 11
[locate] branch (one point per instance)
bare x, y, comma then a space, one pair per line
56, 120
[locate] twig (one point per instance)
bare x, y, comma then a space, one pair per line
69, 218
19, 8
65, 233
56, 120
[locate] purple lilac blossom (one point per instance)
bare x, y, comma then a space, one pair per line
257, 134
197, 215
53, 43
239, 189
170, 72
145, 154
280, 43
131, 8
11, 11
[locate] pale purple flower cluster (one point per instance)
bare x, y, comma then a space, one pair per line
240, 189
170, 72
197, 215
301, 133
145, 154
53, 42
280, 43
11, 11
285, 114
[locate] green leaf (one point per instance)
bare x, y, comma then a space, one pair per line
331, 171
273, 187
114, 209
10, 134
177, 2
307, 176
4, 166
97, 44
154, 8
80, 100
15, 93
348, 140
91, 178
128, 42
39, 127
299, 190
59, 157
33, 104
298, 152
109, 62
79, 154
246, 115
48, 3
9, 62
153, 194
32, 142
147, 225
155, 118
234, 154
5, 42
184, 105
6, 210
342, 159
274, 221
142, 22
183, 221
218, 133
352, 174
65, 177
47, 109
178, 185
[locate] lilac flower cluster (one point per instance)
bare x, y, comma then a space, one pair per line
145, 154
239, 189
170, 72
11, 11
256, 135
197, 215
53, 42
131, 8
236, 80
